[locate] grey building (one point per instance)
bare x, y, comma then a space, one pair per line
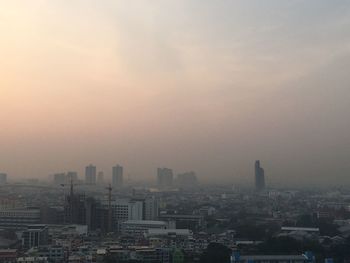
164, 178
35, 236
90, 174
117, 176
259, 176
3, 178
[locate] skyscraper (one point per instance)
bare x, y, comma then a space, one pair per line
3, 178
117, 176
100, 178
90, 174
72, 177
164, 177
187, 180
259, 176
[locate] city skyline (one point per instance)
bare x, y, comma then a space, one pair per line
193, 85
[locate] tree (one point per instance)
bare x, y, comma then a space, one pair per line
217, 253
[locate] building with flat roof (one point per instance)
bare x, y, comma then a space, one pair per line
3, 178
35, 236
19, 218
272, 259
90, 175
164, 178
141, 226
117, 176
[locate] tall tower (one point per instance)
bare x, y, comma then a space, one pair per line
90, 174
164, 178
117, 176
259, 176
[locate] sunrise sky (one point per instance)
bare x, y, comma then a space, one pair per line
200, 85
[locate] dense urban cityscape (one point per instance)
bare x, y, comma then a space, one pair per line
174, 131
103, 218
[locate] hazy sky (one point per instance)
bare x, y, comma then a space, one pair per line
200, 85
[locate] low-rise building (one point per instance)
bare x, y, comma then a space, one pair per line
139, 227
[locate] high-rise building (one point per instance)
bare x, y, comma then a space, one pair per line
151, 207
59, 178
72, 177
90, 174
117, 176
35, 236
3, 178
259, 176
187, 180
125, 209
100, 178
164, 177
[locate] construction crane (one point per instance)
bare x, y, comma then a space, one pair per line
71, 194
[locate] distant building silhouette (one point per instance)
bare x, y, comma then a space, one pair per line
259, 176
187, 180
164, 177
72, 177
3, 178
117, 176
59, 178
90, 174
100, 178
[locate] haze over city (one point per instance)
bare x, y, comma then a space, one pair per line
209, 86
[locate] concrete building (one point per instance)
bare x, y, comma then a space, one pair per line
151, 206
117, 176
187, 180
52, 253
18, 218
137, 227
100, 178
123, 210
72, 177
32, 260
8, 255
59, 178
90, 175
35, 236
3, 178
259, 176
271, 259
164, 178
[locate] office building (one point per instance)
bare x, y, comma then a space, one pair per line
72, 177
123, 210
17, 218
164, 178
3, 178
137, 227
90, 175
151, 206
187, 180
35, 236
59, 178
259, 177
100, 178
117, 176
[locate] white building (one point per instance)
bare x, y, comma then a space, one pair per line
141, 226
151, 208
125, 209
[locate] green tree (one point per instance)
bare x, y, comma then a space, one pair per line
217, 253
